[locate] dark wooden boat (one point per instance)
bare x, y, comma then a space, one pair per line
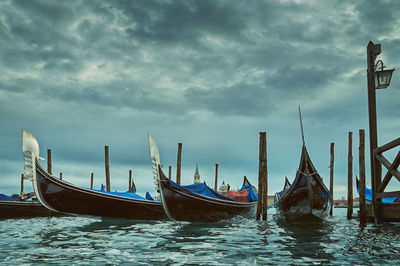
307, 196
10, 208
195, 202
61, 196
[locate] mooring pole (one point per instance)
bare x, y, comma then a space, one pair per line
91, 181
106, 153
216, 178
331, 167
49, 161
60, 176
178, 164
22, 184
376, 168
350, 178
130, 181
265, 177
169, 171
361, 161
262, 178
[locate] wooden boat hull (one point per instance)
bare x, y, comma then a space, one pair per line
183, 205
22, 209
67, 198
298, 206
307, 197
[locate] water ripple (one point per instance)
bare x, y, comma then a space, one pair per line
83, 240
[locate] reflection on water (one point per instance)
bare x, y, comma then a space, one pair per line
76, 240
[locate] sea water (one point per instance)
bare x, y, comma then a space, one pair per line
73, 240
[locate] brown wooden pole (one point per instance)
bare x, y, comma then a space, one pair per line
60, 176
169, 171
361, 160
178, 164
91, 181
376, 168
49, 161
265, 177
130, 181
331, 168
106, 151
350, 178
216, 178
22, 184
262, 177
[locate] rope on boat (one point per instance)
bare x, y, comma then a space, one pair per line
314, 172
269, 207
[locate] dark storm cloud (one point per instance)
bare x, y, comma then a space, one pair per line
84, 74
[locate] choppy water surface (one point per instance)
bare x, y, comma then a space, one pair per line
81, 240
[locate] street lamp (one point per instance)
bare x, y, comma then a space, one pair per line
382, 77
377, 79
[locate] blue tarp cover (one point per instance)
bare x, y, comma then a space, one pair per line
121, 194
368, 196
205, 190
148, 196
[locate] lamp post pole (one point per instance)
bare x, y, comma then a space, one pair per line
376, 168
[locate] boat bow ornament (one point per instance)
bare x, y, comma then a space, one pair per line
30, 150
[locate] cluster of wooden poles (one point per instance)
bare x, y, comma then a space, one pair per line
262, 204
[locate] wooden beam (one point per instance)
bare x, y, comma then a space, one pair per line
169, 171
350, 178
216, 178
361, 167
130, 181
22, 184
60, 176
388, 165
388, 194
107, 166
91, 181
261, 159
331, 166
388, 146
265, 177
178, 164
376, 168
49, 161
389, 174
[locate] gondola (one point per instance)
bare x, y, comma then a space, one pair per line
17, 208
196, 202
307, 197
60, 196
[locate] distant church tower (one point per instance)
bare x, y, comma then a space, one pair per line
197, 175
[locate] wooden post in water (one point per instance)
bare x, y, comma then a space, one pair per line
178, 164
265, 177
331, 165
216, 178
106, 153
130, 181
22, 184
361, 161
49, 161
60, 176
91, 181
262, 178
169, 171
350, 178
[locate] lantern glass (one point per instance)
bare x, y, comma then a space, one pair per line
382, 78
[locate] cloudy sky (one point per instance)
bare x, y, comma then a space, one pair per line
80, 75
